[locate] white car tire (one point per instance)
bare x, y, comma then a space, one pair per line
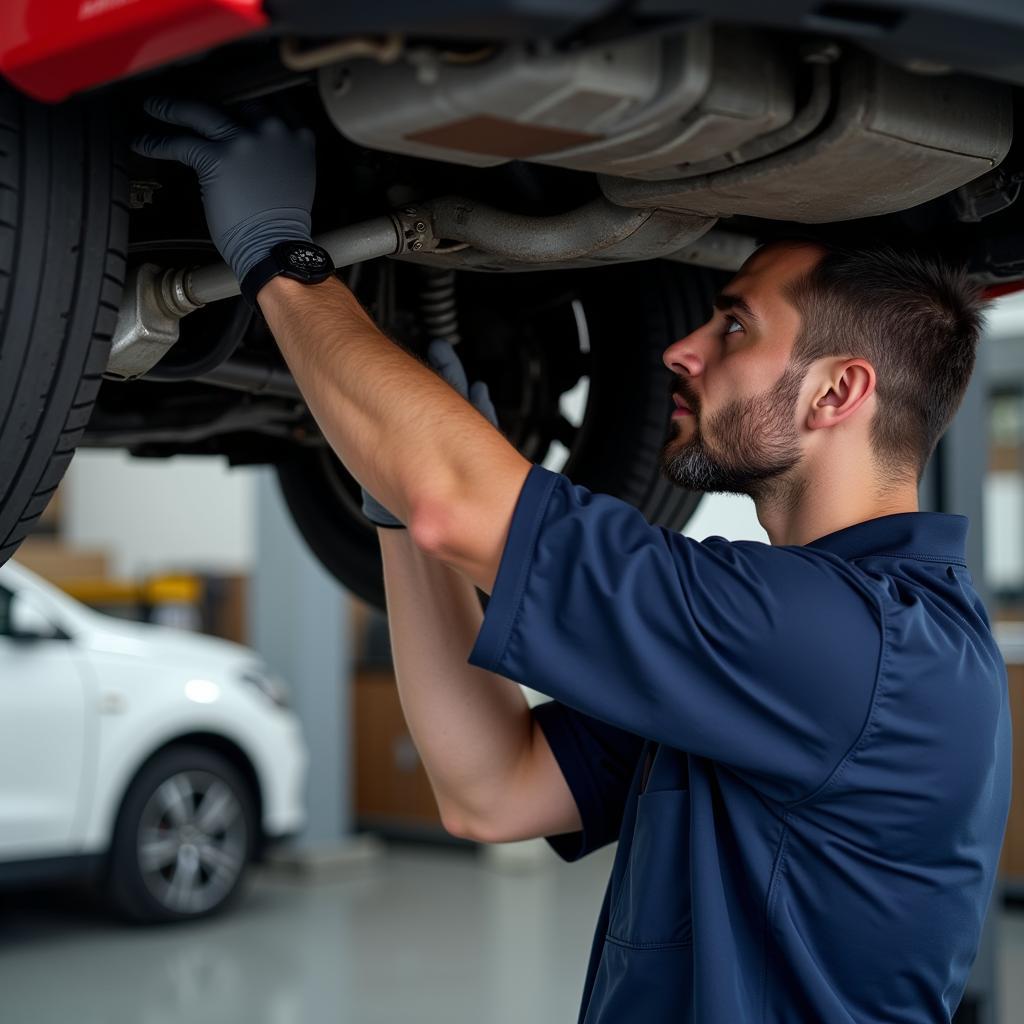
184, 837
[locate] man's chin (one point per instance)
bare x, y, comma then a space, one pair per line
676, 474
689, 466
683, 484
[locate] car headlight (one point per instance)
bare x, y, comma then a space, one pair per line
268, 683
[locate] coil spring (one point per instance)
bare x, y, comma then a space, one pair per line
439, 314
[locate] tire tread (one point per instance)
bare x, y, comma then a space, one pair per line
58, 162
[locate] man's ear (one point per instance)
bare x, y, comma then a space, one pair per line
846, 386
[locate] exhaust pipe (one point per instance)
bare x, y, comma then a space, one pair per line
155, 299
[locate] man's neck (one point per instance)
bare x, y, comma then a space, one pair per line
803, 512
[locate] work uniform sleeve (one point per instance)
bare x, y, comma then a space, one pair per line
762, 658
599, 763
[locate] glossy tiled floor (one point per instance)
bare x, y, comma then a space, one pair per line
424, 936
419, 935
1011, 966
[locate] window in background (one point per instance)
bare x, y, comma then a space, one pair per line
1004, 499
732, 516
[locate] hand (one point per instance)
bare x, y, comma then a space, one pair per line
257, 183
442, 356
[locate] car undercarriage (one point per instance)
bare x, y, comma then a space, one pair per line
561, 201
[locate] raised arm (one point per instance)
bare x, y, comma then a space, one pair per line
490, 767
412, 441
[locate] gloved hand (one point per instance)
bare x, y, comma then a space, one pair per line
442, 356
257, 183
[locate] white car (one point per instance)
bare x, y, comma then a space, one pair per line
153, 761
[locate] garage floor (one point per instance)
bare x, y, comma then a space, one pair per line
419, 935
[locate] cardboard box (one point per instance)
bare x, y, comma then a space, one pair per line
56, 561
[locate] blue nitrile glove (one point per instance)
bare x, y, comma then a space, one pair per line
257, 183
443, 358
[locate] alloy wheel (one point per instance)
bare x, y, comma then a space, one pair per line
191, 842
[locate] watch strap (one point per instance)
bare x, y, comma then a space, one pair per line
258, 276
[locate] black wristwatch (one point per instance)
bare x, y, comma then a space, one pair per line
302, 261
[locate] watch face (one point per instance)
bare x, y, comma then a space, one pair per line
307, 259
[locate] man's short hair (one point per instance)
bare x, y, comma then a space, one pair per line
914, 317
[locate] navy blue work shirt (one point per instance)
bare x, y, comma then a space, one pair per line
804, 752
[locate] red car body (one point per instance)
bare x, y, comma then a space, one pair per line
52, 48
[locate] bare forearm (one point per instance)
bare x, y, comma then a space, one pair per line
473, 729
403, 433
432, 459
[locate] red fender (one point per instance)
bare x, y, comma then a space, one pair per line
52, 48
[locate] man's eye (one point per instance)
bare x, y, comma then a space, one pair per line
731, 323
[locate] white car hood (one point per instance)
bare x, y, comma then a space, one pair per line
146, 640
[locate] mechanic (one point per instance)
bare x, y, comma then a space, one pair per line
803, 747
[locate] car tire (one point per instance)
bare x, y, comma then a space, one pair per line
172, 857
632, 312
63, 232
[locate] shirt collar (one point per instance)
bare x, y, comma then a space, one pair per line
934, 536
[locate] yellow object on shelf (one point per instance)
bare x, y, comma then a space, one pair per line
100, 589
157, 590
173, 590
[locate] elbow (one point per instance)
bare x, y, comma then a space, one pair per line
458, 824
458, 827
454, 819
461, 825
459, 537
426, 533
431, 528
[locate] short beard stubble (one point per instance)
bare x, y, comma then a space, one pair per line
756, 443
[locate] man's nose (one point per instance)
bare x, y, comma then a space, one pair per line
683, 357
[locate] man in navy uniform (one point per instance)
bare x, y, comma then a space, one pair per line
803, 748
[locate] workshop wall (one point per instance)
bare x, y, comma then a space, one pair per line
155, 515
